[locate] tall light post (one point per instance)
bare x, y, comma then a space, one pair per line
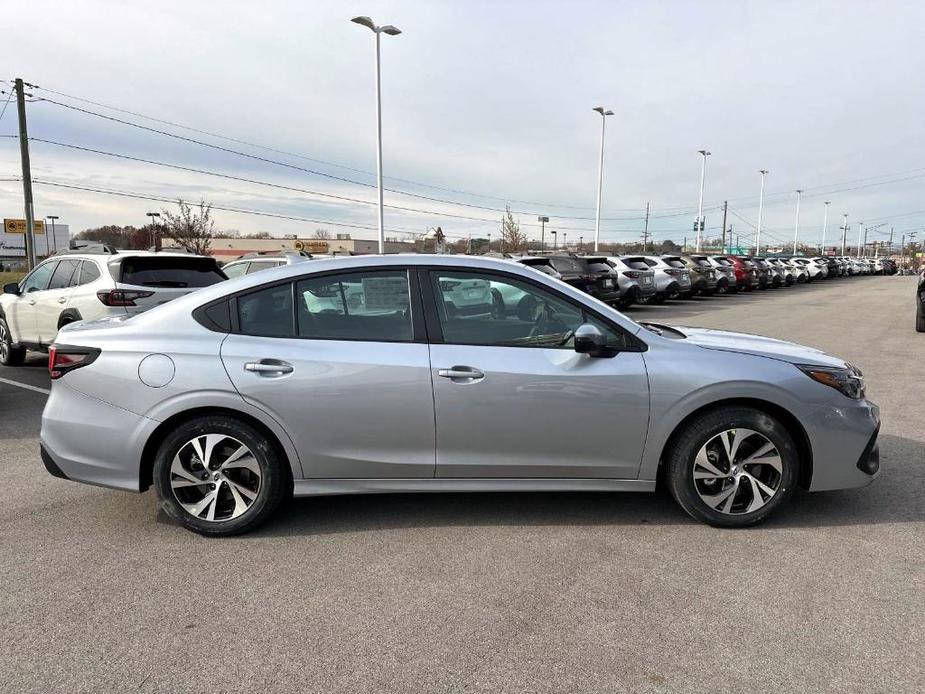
860, 229
542, 220
703, 170
554, 234
825, 223
565, 241
763, 172
844, 232
152, 216
391, 31
796, 224
54, 239
600, 176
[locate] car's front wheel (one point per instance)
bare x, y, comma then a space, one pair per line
217, 475
9, 355
732, 467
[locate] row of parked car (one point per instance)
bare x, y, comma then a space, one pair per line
633, 279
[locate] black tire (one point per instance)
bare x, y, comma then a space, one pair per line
275, 484
679, 464
9, 355
919, 318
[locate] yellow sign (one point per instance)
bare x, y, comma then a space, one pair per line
312, 246
18, 226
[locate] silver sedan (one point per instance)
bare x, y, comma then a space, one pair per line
365, 374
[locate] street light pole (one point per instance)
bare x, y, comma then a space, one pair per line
391, 31
600, 176
796, 224
152, 216
860, 227
565, 241
703, 169
825, 223
763, 173
54, 239
554, 234
542, 220
844, 233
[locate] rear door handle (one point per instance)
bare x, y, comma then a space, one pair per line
462, 373
269, 367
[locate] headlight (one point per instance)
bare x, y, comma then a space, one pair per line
848, 381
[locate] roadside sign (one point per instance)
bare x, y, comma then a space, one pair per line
312, 246
18, 226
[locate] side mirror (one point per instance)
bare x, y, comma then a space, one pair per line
590, 340
11, 288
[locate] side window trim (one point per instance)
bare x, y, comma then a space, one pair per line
435, 331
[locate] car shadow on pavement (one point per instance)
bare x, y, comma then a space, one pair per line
897, 496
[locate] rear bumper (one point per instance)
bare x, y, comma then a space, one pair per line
87, 440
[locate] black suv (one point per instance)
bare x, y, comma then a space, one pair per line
592, 275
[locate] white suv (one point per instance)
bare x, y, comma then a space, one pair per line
93, 282
263, 260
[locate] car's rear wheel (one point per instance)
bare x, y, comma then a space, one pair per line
919, 317
9, 355
218, 476
732, 467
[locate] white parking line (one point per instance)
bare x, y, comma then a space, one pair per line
25, 385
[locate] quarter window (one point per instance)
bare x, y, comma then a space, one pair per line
372, 306
484, 309
89, 272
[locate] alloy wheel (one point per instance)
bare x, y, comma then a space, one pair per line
4, 343
215, 477
737, 471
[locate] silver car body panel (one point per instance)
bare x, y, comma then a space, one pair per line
350, 424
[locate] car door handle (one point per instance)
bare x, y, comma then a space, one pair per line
62, 300
464, 373
269, 367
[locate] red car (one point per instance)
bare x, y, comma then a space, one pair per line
746, 273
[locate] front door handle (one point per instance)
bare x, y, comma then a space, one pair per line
461, 373
269, 367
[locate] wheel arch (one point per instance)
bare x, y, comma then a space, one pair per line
781, 414
149, 452
68, 315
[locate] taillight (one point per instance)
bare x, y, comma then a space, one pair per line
121, 297
63, 358
634, 274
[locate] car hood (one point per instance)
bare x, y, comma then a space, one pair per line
760, 346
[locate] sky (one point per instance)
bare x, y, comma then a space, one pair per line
484, 104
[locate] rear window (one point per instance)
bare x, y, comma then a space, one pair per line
599, 266
636, 263
567, 264
673, 262
701, 260
723, 261
540, 265
170, 271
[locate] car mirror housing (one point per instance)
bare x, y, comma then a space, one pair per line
590, 340
11, 288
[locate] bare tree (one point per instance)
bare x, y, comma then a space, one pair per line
321, 234
512, 238
191, 227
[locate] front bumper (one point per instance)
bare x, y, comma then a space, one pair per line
844, 445
87, 440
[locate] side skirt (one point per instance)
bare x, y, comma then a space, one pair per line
480, 484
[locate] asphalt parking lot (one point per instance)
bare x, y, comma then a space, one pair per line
489, 593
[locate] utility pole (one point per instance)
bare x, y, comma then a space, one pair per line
54, 239
645, 232
726, 209
684, 247
860, 225
891, 239
26, 172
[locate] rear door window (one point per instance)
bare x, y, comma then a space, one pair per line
176, 272
61, 279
